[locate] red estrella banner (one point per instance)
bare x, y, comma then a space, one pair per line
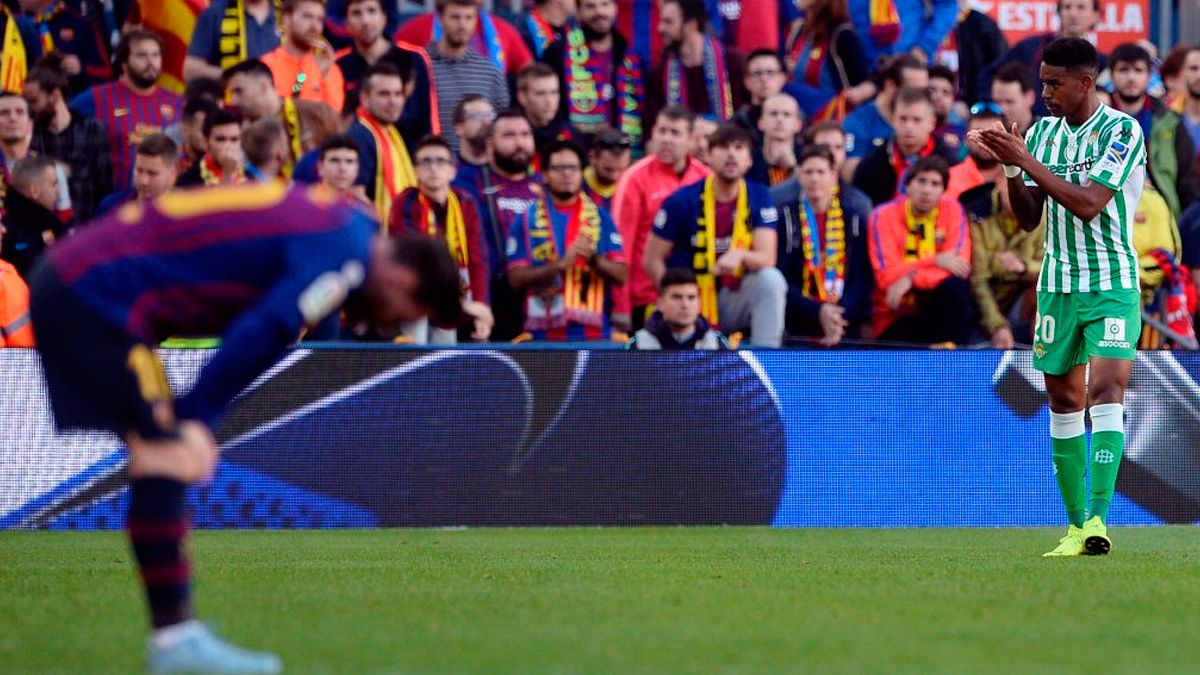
174, 20
1120, 20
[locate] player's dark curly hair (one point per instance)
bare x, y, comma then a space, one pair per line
439, 290
1075, 54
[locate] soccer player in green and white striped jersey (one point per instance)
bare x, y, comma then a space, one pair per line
1085, 166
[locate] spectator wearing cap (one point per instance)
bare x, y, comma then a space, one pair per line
608, 160
726, 229
979, 168
676, 323
883, 172
921, 253
869, 126
823, 251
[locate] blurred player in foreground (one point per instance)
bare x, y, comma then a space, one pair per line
1086, 164
257, 265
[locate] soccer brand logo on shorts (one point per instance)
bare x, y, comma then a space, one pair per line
1114, 333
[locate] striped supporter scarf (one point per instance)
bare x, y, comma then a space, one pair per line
456, 234
393, 167
582, 292
825, 266
716, 80
704, 244
232, 48
585, 83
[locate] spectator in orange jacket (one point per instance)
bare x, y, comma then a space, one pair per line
640, 194
921, 252
15, 329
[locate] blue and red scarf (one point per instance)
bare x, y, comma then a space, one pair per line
716, 80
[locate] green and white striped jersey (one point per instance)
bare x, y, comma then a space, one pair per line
1098, 255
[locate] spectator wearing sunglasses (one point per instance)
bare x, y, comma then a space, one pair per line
979, 168
609, 158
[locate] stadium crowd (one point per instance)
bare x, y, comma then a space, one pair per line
798, 169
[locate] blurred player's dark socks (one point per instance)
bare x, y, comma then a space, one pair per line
157, 525
1108, 444
1070, 462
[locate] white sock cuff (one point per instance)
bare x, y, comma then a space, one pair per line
1066, 425
1107, 417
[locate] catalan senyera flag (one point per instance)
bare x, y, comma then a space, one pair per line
174, 20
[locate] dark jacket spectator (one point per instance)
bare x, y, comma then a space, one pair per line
979, 42
30, 229
802, 311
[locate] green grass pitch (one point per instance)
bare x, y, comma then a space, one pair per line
654, 600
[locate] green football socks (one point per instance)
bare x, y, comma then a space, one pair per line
1108, 444
1069, 445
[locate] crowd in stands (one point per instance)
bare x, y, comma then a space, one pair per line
793, 171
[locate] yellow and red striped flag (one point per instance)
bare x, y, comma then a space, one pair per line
174, 20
